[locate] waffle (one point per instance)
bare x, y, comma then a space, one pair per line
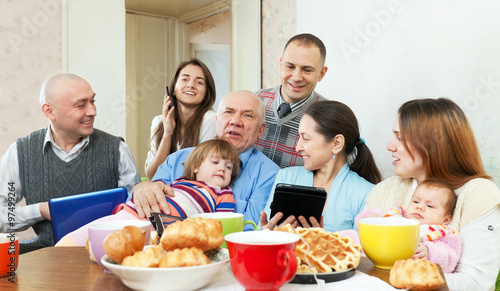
415, 274
328, 251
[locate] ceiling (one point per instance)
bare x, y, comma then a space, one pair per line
172, 8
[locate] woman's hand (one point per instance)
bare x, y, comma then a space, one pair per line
271, 224
312, 220
168, 117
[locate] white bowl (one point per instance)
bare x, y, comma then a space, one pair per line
185, 278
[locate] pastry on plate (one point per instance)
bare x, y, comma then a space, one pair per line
185, 257
205, 234
124, 242
415, 274
149, 258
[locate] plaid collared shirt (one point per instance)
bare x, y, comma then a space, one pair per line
281, 135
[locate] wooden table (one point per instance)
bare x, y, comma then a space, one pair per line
69, 268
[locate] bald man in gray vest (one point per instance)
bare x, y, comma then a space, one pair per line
66, 158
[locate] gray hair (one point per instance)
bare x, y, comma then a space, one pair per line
261, 110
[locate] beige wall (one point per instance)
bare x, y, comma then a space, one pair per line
278, 25
30, 51
245, 44
41, 38
215, 29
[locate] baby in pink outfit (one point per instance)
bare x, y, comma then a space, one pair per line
432, 205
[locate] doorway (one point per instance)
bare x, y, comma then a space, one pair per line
143, 61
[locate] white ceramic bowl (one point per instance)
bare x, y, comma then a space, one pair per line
171, 279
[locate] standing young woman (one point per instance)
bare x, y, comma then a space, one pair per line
187, 116
337, 159
433, 139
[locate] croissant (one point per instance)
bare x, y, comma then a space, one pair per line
205, 234
213, 228
184, 234
150, 258
124, 242
185, 257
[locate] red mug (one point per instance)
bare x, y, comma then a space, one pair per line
9, 252
262, 260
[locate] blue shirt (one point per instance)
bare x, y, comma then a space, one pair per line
251, 189
346, 198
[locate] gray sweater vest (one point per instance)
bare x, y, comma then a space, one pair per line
45, 176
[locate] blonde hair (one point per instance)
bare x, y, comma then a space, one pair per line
210, 148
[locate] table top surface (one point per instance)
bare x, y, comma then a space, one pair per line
65, 268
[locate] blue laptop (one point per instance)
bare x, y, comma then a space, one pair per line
71, 212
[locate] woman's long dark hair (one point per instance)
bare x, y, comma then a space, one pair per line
193, 126
334, 118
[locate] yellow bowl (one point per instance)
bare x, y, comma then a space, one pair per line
387, 239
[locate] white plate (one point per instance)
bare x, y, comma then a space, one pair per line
185, 278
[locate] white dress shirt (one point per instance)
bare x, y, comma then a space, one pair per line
22, 217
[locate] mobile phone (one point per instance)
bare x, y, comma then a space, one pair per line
168, 94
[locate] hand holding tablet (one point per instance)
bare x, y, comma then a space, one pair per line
298, 201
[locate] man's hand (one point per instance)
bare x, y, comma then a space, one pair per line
150, 197
271, 224
421, 252
44, 210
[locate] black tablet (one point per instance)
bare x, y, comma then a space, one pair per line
298, 201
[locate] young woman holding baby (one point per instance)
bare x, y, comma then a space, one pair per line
433, 139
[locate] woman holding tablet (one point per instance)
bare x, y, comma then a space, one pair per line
337, 159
